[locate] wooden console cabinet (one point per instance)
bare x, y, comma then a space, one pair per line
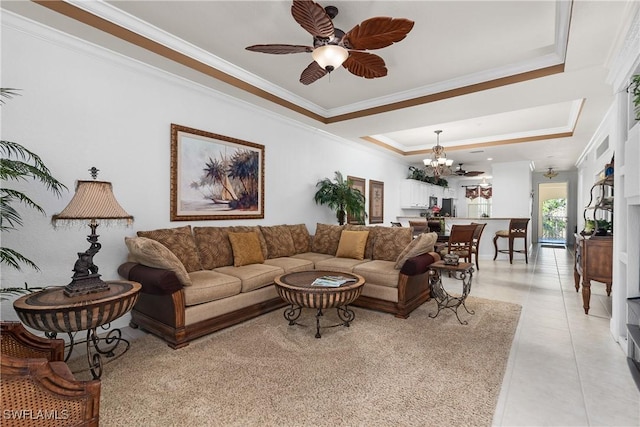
594, 261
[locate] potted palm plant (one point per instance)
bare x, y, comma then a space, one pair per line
19, 164
339, 195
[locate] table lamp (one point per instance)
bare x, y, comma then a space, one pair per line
93, 201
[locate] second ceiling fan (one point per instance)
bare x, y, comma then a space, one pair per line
461, 172
333, 47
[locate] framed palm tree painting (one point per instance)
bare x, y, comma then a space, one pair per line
215, 176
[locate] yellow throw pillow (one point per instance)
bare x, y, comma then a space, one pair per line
246, 249
352, 244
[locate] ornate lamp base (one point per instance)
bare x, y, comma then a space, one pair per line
85, 285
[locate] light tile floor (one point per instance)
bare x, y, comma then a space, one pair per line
565, 369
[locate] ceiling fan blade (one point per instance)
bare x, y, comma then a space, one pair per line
365, 65
473, 173
312, 73
313, 18
279, 49
376, 33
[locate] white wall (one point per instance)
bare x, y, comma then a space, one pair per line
511, 190
82, 106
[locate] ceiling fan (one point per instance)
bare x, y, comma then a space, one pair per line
333, 47
461, 172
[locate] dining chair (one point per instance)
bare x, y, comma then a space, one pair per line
517, 230
460, 241
419, 227
475, 248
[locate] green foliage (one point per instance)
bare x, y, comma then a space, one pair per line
420, 175
339, 195
554, 217
234, 180
17, 291
634, 89
19, 164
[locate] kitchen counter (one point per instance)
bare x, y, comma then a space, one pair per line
486, 241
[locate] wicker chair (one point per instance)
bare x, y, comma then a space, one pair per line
38, 389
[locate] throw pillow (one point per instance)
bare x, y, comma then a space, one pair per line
279, 241
422, 244
180, 241
154, 254
246, 249
326, 239
301, 238
213, 247
368, 251
352, 244
388, 242
255, 229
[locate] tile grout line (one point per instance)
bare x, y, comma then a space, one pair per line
513, 355
573, 347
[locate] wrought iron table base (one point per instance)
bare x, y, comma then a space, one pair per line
97, 347
444, 299
293, 312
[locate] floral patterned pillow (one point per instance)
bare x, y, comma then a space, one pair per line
214, 247
326, 238
279, 241
301, 238
180, 241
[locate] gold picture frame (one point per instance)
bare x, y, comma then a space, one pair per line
376, 202
360, 185
215, 177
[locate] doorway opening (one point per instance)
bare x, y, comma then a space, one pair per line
552, 214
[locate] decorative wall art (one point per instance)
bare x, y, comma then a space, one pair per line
358, 184
376, 202
215, 177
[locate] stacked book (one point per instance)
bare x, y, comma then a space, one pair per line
332, 281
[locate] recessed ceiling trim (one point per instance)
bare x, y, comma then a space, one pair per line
192, 57
478, 87
125, 34
494, 143
151, 32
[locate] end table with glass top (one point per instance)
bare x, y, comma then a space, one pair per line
53, 312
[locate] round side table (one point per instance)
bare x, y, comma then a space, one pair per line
52, 312
297, 289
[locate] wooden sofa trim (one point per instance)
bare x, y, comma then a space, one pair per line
160, 308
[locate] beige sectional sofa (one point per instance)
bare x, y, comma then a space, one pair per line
196, 281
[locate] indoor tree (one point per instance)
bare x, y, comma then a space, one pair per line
340, 196
19, 164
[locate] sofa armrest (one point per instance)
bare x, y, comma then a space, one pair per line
155, 281
419, 264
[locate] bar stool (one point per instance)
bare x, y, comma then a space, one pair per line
517, 230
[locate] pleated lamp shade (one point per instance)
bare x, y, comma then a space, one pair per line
93, 200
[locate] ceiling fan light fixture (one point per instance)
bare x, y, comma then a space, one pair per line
330, 56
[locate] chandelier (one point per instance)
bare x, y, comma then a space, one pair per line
550, 173
438, 165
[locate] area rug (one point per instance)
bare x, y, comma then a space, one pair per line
380, 371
